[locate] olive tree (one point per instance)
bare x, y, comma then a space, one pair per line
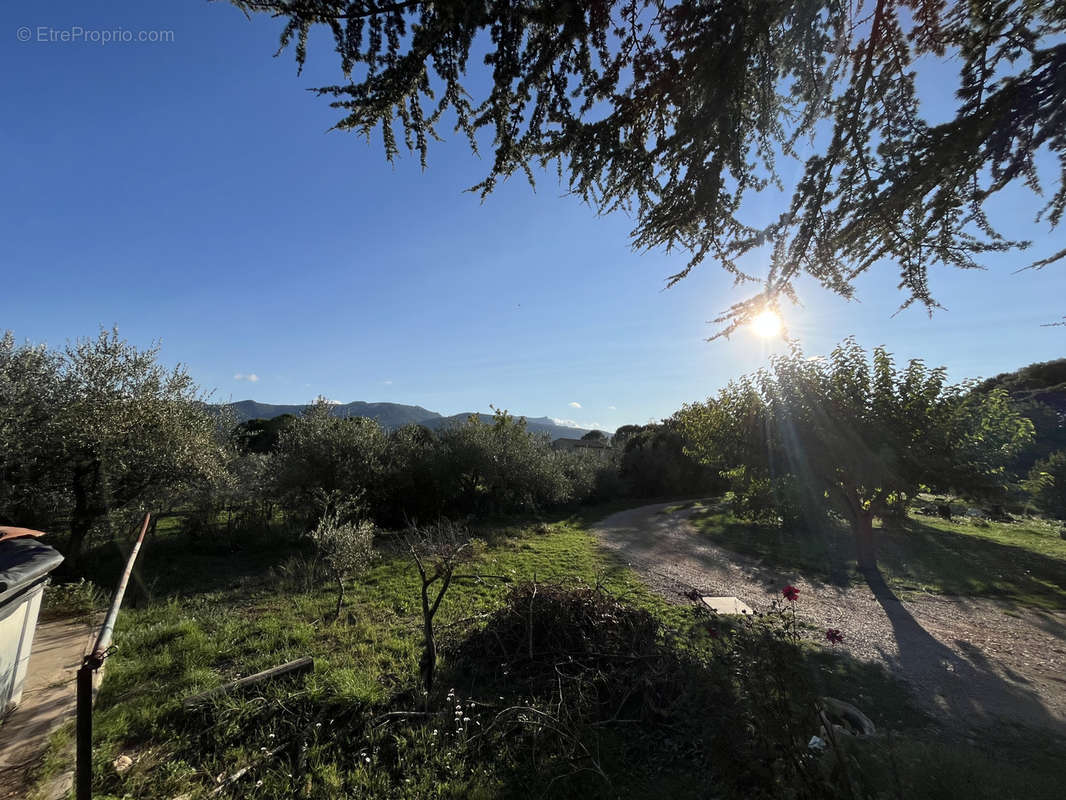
32, 492
654, 463
856, 434
413, 477
500, 466
438, 550
346, 549
327, 464
113, 430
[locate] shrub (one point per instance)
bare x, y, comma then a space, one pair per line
346, 549
322, 459
77, 599
732, 699
500, 467
655, 464
1047, 484
544, 626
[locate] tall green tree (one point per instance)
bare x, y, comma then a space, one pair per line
500, 466
105, 429
31, 492
328, 464
687, 111
654, 463
1046, 484
855, 434
413, 477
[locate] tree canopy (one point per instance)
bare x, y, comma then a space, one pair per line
684, 111
97, 429
857, 434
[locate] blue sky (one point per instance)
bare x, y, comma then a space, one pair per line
190, 191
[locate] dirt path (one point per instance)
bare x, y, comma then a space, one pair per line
968, 660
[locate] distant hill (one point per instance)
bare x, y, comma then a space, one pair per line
539, 425
1044, 382
396, 415
388, 415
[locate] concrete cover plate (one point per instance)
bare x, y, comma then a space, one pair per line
727, 605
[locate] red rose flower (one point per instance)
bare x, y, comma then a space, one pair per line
712, 631
834, 636
791, 593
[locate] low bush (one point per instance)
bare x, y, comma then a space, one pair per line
611, 692
1047, 484
77, 599
344, 548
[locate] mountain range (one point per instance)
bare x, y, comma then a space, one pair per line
395, 415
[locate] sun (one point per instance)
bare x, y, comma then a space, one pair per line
767, 324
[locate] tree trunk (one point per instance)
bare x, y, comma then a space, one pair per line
85, 510
865, 550
340, 598
428, 665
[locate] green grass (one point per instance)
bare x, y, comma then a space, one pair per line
1023, 561
58, 758
210, 613
78, 599
204, 612
1010, 763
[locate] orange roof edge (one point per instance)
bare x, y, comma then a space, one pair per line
8, 532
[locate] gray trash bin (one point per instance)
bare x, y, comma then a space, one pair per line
24, 567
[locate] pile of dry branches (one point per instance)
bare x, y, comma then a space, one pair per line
578, 643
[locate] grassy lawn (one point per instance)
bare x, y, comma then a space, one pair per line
205, 612
1022, 561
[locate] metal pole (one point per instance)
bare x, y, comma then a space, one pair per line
84, 772
92, 662
104, 640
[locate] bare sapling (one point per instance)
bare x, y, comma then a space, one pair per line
438, 551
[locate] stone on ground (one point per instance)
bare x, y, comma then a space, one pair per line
727, 605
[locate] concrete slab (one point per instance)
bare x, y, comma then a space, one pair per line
48, 700
727, 605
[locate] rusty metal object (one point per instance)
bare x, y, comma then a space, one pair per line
9, 532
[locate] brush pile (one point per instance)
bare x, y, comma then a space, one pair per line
581, 643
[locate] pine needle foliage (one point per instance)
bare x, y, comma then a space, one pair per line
683, 111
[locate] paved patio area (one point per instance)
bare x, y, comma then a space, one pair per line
48, 700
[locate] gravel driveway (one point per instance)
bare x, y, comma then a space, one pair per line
968, 660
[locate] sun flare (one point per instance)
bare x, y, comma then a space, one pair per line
767, 324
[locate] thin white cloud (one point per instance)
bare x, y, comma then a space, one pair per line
242, 376
570, 423
612, 408
388, 383
574, 404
